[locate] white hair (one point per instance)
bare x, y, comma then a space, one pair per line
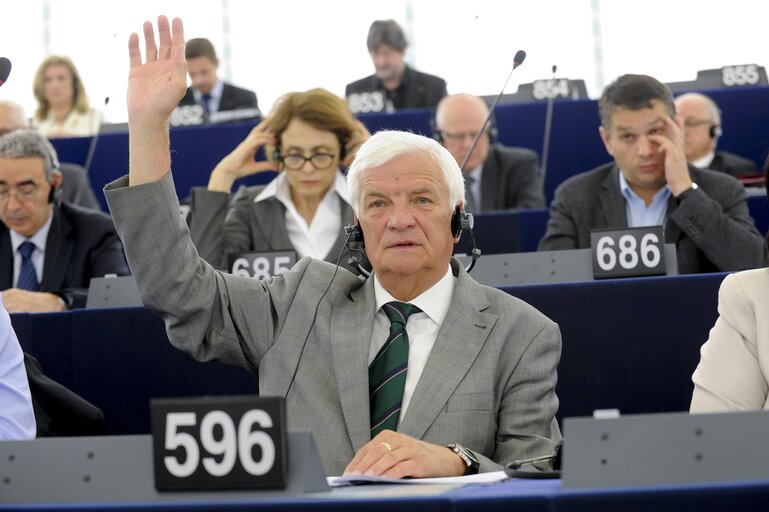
385, 146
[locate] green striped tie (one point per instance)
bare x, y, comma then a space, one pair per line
387, 373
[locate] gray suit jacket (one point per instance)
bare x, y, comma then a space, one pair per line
511, 180
219, 228
712, 228
489, 382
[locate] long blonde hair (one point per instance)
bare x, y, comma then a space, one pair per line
80, 98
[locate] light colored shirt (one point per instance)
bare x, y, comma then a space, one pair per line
77, 124
705, 161
640, 215
38, 255
17, 419
216, 96
422, 328
319, 237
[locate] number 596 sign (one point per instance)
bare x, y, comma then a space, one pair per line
628, 252
219, 443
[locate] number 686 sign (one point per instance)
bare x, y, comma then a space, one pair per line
627, 252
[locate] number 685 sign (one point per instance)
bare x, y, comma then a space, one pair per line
628, 252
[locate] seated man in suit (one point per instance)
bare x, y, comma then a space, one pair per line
496, 177
702, 129
75, 186
475, 387
649, 183
49, 250
394, 85
213, 95
17, 419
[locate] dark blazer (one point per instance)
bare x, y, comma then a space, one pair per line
81, 244
711, 227
417, 90
233, 98
732, 164
219, 228
511, 180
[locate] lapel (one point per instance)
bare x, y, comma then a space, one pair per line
227, 101
339, 245
460, 340
268, 215
352, 322
6, 259
490, 181
612, 203
58, 251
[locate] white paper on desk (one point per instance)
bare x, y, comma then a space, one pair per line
480, 478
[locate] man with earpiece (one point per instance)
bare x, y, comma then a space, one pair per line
496, 177
49, 249
416, 371
702, 129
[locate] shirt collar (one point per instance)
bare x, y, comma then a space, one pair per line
215, 93
434, 301
628, 192
39, 239
278, 188
705, 161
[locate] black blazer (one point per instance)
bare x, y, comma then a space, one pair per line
233, 98
419, 90
732, 164
81, 244
511, 180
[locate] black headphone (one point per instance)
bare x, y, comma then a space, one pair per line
715, 131
491, 130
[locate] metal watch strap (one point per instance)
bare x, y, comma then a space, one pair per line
467, 457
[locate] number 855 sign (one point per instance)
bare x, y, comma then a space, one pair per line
627, 252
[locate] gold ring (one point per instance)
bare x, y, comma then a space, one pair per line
387, 446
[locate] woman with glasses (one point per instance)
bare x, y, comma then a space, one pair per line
307, 137
733, 374
62, 104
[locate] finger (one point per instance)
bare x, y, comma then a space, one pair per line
164, 35
177, 50
178, 31
263, 166
378, 460
134, 54
405, 468
151, 50
355, 462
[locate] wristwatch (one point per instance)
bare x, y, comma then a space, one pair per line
467, 456
686, 192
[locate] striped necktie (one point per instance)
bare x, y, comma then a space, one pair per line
27, 274
387, 373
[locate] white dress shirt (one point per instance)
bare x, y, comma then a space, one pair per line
38, 255
317, 239
705, 161
422, 328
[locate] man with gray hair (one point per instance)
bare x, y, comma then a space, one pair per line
49, 249
417, 371
649, 183
702, 129
75, 186
394, 85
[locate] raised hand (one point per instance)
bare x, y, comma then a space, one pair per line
156, 86
240, 162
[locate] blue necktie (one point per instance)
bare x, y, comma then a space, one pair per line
206, 104
27, 274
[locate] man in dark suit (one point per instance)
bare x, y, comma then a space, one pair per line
702, 129
703, 212
496, 177
75, 187
395, 85
48, 250
213, 95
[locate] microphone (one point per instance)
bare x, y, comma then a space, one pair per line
548, 129
5, 70
520, 56
513, 469
92, 146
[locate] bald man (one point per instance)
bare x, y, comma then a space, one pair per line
497, 177
75, 186
702, 128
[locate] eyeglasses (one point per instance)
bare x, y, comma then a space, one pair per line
693, 122
459, 137
22, 193
319, 161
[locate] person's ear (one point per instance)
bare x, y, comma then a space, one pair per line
56, 179
606, 138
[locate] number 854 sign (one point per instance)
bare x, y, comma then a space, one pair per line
627, 252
